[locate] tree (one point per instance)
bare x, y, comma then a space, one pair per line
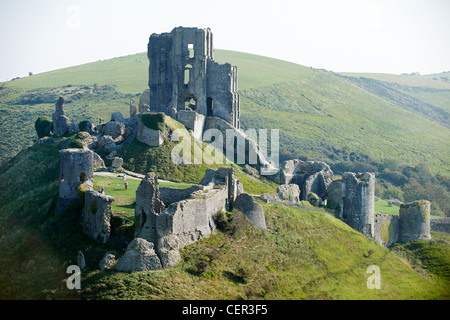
43, 126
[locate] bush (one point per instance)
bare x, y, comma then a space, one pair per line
76, 143
43, 126
82, 135
154, 121
83, 125
393, 193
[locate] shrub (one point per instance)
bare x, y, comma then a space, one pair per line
77, 143
313, 199
83, 125
154, 121
82, 135
393, 193
43, 126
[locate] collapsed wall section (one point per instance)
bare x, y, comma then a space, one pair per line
186, 222
310, 176
386, 229
96, 215
148, 207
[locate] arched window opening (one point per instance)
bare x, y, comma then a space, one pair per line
187, 76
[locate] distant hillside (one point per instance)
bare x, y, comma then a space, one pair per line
320, 115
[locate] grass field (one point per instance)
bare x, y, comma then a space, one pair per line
381, 206
125, 199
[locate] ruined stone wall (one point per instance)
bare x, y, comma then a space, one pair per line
192, 121
182, 73
170, 195
310, 176
75, 167
251, 153
186, 222
415, 221
440, 224
359, 202
223, 93
151, 137
96, 215
148, 207
386, 229
60, 121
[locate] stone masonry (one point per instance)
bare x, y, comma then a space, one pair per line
60, 121
75, 167
96, 215
359, 201
414, 220
184, 76
310, 176
148, 207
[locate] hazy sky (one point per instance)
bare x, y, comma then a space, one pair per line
394, 36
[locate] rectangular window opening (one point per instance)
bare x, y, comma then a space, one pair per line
191, 50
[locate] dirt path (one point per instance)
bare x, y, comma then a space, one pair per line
128, 174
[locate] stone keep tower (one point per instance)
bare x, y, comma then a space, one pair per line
358, 202
414, 221
75, 167
183, 75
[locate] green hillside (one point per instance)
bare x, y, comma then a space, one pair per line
315, 109
306, 254
396, 126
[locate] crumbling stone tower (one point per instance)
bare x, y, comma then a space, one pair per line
75, 167
414, 220
183, 75
148, 206
358, 202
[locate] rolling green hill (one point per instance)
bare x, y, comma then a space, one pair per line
306, 254
396, 126
319, 113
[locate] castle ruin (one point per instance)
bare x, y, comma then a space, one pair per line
75, 167
184, 76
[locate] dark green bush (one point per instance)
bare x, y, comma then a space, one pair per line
83, 125
43, 126
154, 121
82, 135
76, 143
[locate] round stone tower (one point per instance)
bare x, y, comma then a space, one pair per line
414, 221
359, 201
75, 167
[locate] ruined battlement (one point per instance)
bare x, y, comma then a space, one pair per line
184, 76
75, 167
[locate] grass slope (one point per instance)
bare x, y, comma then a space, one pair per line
306, 254
327, 118
319, 114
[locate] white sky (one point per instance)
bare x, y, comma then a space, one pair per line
383, 36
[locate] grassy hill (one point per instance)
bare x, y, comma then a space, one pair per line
306, 254
316, 110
